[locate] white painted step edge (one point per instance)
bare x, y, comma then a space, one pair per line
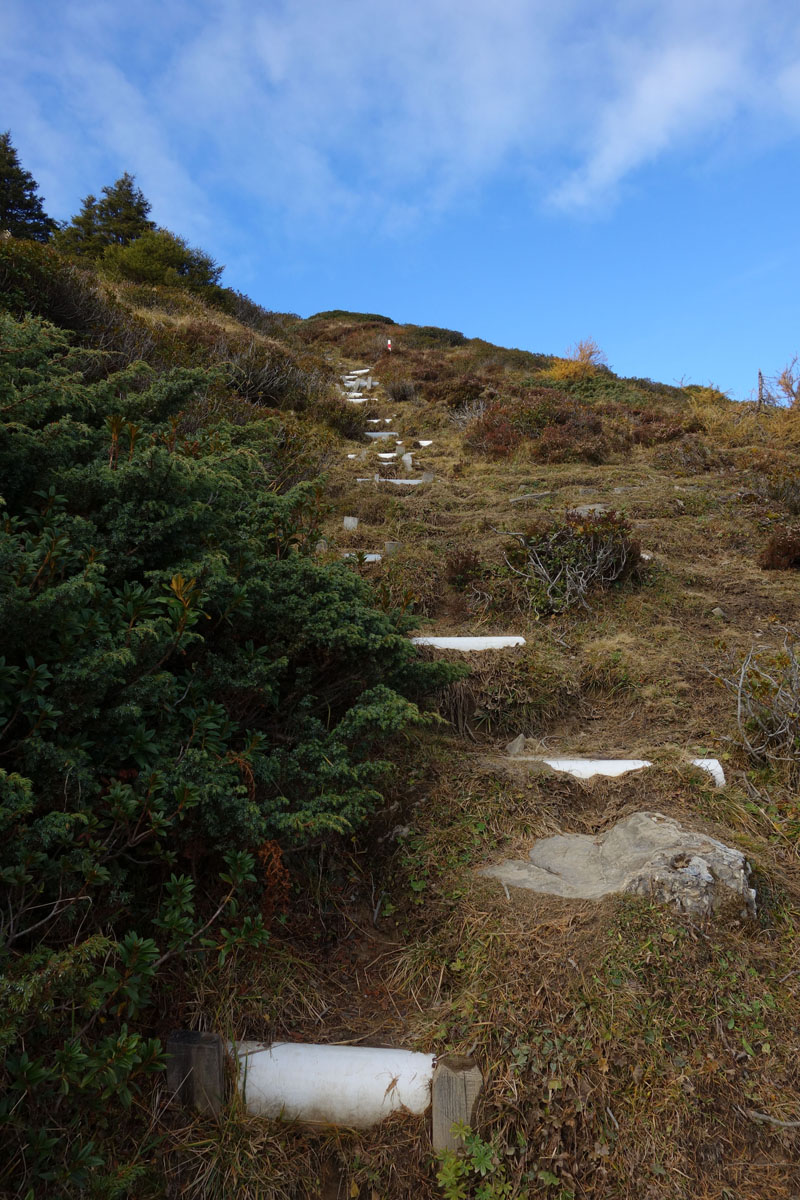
470, 643
355, 1086
713, 767
586, 768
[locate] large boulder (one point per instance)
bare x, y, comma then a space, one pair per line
645, 854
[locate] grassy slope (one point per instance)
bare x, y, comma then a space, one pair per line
626, 1050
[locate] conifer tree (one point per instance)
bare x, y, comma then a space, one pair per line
116, 219
82, 237
21, 211
122, 213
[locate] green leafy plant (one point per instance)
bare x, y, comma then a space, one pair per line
180, 681
477, 1172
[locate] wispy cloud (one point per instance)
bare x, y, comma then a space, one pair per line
378, 114
677, 94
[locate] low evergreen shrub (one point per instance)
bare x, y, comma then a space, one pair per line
181, 684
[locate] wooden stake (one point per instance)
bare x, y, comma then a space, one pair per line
457, 1083
196, 1069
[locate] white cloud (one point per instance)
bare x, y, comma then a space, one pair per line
378, 114
674, 96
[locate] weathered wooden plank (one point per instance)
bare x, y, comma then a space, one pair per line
457, 1083
196, 1069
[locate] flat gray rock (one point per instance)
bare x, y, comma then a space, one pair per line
517, 746
590, 510
646, 854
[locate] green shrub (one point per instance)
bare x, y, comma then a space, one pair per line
419, 336
180, 682
335, 314
161, 257
36, 279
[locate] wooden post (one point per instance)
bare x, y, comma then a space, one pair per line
196, 1069
457, 1083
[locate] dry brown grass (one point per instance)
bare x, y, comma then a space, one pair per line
625, 1049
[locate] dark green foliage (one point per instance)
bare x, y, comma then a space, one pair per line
179, 682
431, 335
21, 211
36, 279
117, 219
488, 355
82, 237
337, 313
161, 257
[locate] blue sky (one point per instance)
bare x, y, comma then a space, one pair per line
526, 171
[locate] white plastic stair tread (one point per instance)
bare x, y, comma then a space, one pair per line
361, 371
355, 1086
713, 767
428, 443
585, 768
470, 643
402, 482
370, 558
387, 457
382, 433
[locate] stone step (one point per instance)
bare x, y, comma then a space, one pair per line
644, 854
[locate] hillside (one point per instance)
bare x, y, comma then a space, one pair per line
628, 1050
